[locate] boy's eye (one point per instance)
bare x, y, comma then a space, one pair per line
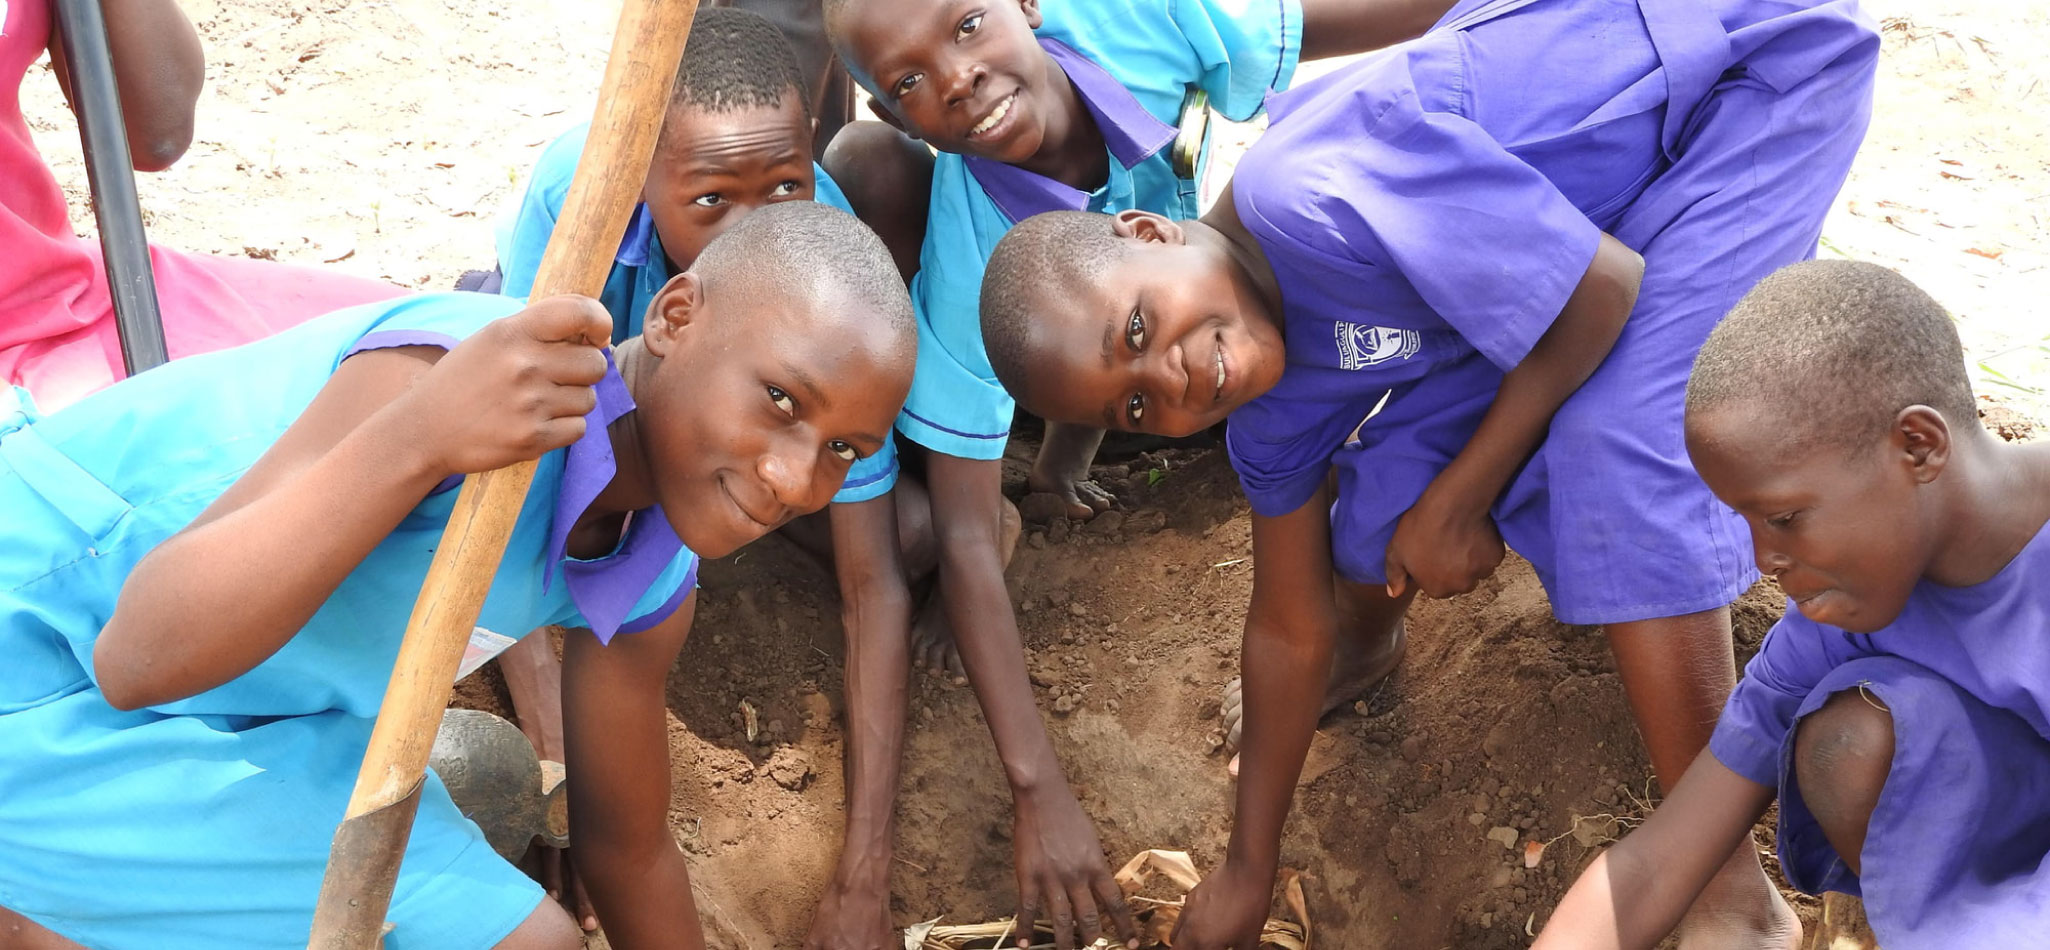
787, 189
843, 450
1135, 408
905, 85
782, 400
1135, 331
970, 23
708, 201
1782, 521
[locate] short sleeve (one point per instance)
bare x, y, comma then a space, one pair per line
1485, 239
1796, 655
956, 405
1246, 48
1281, 444
524, 238
871, 477
679, 578
826, 191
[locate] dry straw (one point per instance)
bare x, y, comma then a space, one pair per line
1156, 916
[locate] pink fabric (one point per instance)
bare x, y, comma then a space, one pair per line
57, 334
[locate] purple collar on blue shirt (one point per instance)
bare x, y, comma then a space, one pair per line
607, 588
640, 235
1131, 132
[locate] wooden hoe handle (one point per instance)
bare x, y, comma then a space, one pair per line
363, 864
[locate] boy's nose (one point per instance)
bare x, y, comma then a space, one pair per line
965, 80
1166, 376
788, 470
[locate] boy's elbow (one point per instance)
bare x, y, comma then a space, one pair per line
159, 154
118, 680
156, 149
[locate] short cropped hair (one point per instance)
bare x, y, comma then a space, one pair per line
816, 251
736, 59
1840, 347
1031, 268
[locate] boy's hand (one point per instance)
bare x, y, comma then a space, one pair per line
1442, 548
853, 915
1227, 911
1061, 871
515, 390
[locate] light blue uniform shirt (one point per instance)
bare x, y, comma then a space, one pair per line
1133, 62
205, 822
639, 271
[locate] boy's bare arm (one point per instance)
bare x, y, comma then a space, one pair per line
876, 612
1290, 628
221, 596
1061, 867
1340, 27
1635, 894
618, 745
159, 67
1446, 542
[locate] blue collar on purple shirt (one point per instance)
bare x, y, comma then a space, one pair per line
1132, 134
606, 588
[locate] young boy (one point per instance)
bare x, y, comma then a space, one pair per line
1430, 228
197, 645
1037, 106
1899, 712
737, 137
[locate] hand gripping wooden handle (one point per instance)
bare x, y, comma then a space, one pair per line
363, 864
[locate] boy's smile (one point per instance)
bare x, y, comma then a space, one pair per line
1167, 339
965, 76
1841, 531
712, 168
762, 399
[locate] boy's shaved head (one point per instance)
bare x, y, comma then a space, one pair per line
736, 59
1034, 267
810, 251
777, 361
1840, 347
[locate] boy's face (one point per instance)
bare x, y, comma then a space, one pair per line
1845, 534
966, 76
712, 168
1165, 342
760, 403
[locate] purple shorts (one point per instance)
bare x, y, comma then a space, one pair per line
1957, 853
1610, 509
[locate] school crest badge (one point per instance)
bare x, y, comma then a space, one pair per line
1362, 346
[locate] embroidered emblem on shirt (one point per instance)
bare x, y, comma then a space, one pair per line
1362, 346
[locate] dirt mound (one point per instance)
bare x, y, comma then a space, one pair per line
1502, 727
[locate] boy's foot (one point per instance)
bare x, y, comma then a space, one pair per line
1062, 470
1740, 910
1356, 667
932, 638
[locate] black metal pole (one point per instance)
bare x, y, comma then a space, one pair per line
111, 173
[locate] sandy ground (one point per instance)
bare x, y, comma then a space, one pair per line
382, 139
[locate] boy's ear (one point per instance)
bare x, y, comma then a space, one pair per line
885, 115
1033, 18
1147, 227
679, 302
1922, 436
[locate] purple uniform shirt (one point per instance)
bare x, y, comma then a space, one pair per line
1429, 210
1957, 850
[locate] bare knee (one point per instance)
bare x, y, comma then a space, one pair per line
547, 928
1842, 754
